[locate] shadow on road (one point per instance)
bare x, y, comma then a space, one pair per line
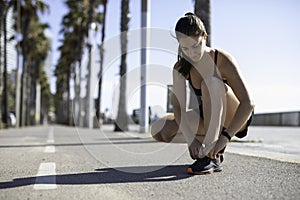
108, 176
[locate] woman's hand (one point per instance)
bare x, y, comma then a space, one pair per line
195, 148
221, 143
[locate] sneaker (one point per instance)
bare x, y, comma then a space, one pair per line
205, 165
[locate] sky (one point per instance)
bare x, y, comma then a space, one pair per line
263, 36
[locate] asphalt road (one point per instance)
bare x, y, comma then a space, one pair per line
67, 163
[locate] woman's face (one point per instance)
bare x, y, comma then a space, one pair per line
193, 47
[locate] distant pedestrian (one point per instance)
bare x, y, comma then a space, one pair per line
224, 108
150, 114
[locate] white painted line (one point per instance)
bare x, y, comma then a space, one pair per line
46, 177
263, 153
50, 141
49, 149
50, 138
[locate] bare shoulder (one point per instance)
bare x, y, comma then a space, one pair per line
225, 57
176, 70
177, 76
227, 64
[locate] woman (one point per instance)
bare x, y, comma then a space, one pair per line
224, 108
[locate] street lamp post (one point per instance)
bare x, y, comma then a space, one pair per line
90, 101
144, 120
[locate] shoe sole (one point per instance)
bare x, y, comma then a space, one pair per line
190, 171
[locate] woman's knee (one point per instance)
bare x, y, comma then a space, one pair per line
156, 132
163, 130
160, 136
157, 136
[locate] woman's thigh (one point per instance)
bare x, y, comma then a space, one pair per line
232, 106
166, 129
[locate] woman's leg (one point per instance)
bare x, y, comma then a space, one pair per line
232, 106
166, 128
225, 111
219, 107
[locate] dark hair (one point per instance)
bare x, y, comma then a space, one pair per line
186, 26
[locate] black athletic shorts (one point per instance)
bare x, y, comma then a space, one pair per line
244, 132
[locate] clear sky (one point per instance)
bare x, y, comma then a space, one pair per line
263, 36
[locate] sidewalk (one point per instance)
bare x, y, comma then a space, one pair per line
278, 143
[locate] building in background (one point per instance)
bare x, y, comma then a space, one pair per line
277, 119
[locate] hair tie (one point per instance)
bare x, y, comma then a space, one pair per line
189, 14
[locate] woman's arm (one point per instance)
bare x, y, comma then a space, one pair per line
179, 105
229, 71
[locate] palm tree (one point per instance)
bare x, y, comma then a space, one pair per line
75, 29
40, 45
29, 12
98, 107
4, 7
46, 97
29, 9
121, 123
63, 74
202, 10
61, 88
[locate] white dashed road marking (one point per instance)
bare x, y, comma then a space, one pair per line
50, 138
49, 149
46, 177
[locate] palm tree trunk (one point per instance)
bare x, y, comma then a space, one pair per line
30, 96
22, 97
1, 78
98, 112
5, 93
121, 123
38, 102
25, 74
18, 91
80, 118
77, 92
18, 76
202, 10
88, 89
68, 119
2, 6
37, 96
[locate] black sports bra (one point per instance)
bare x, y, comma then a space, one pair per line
197, 91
